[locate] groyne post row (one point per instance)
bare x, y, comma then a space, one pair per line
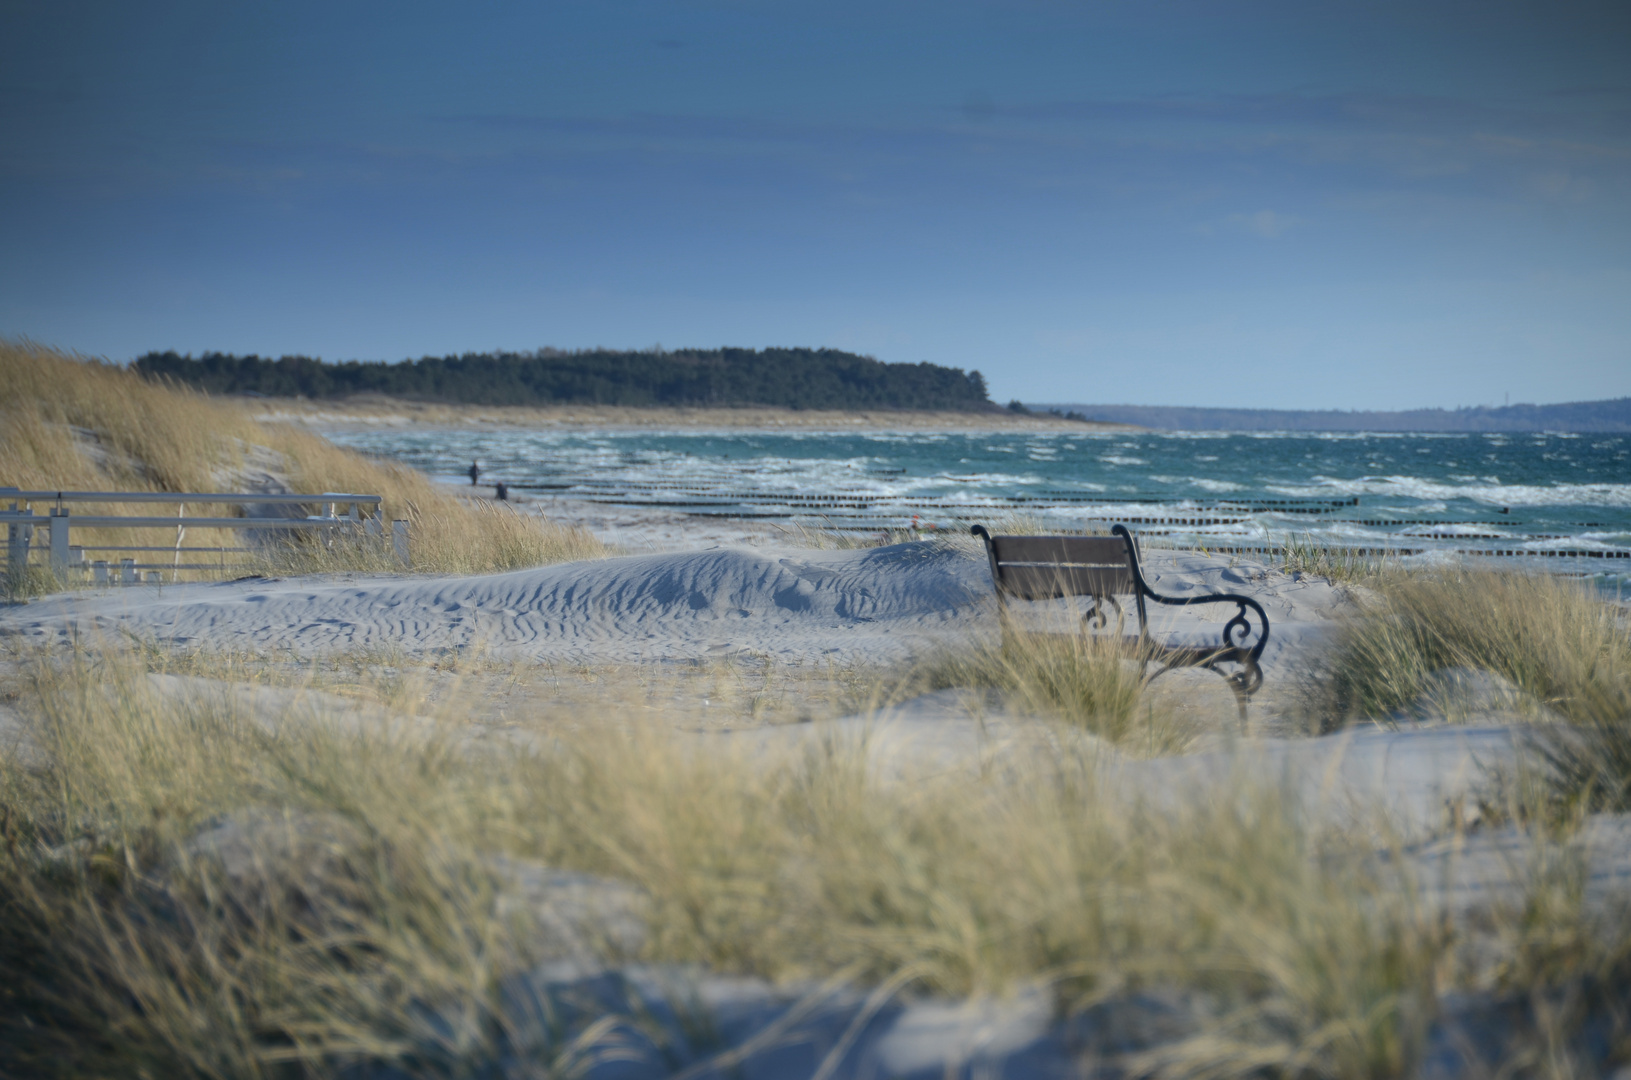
22, 522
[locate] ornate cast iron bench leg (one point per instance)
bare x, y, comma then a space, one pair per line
1244, 682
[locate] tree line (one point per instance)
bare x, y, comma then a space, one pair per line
792, 378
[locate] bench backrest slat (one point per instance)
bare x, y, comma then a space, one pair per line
1044, 567
1065, 549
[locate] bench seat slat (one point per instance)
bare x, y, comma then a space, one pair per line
1060, 549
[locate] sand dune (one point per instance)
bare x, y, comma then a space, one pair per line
879, 604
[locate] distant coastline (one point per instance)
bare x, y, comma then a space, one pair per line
1613, 415
796, 378
374, 411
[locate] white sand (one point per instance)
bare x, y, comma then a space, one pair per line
879, 604
868, 606
871, 606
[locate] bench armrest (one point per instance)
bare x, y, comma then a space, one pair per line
1235, 632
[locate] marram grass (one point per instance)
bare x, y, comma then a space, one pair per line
1096, 682
1552, 638
72, 423
1305, 555
370, 923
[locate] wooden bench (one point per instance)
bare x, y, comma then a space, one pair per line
1106, 567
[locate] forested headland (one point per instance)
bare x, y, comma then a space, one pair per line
790, 378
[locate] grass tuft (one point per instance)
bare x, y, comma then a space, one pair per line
1552, 638
25, 582
1094, 681
1305, 555
1549, 636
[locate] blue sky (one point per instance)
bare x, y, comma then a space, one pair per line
1274, 204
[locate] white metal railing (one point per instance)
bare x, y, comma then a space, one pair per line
22, 523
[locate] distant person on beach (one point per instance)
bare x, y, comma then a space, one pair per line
475, 472
503, 492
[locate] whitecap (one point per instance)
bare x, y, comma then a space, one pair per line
1414, 487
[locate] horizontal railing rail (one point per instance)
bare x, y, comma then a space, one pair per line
280, 498
363, 519
164, 547
113, 521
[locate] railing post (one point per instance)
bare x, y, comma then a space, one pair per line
399, 540
127, 571
99, 571
19, 536
59, 543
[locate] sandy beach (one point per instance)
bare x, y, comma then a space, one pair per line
775, 603
375, 411
882, 604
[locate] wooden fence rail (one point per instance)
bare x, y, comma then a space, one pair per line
363, 518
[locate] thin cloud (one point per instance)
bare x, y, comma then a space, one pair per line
1265, 223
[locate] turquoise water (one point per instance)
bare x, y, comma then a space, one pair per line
1528, 495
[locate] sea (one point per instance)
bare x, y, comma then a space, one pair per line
1559, 502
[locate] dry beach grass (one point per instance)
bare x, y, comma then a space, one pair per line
70, 423
1565, 655
1095, 683
1551, 637
187, 889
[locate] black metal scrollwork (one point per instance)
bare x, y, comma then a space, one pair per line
1239, 628
1097, 618
1249, 678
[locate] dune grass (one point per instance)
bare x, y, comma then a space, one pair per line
824, 534
821, 532
25, 582
72, 423
1096, 682
373, 921
1553, 638
1305, 555
1550, 636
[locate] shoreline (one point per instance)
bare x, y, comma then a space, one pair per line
376, 411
